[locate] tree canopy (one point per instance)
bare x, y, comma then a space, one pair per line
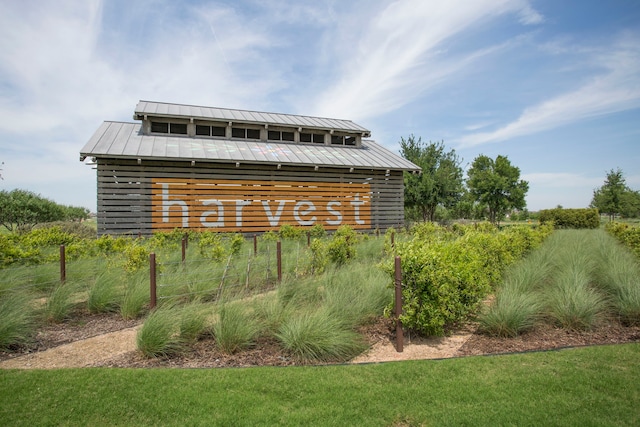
615, 197
439, 184
496, 184
22, 209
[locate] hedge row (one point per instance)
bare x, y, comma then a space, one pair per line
446, 273
625, 234
570, 218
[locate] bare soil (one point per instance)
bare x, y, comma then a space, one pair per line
109, 341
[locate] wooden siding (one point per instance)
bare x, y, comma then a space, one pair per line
255, 197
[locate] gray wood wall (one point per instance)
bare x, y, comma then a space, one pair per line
126, 201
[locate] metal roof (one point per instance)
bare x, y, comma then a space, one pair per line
126, 140
162, 109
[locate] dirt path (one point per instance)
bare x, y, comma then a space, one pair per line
78, 354
99, 350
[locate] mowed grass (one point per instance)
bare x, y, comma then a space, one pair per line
584, 386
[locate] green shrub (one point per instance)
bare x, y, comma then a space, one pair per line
625, 234
571, 218
290, 232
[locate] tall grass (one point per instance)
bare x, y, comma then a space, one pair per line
105, 294
136, 297
573, 303
159, 335
511, 313
17, 319
61, 302
319, 336
235, 329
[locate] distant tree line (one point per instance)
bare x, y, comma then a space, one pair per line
21, 210
492, 190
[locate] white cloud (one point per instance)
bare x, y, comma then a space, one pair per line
398, 56
618, 89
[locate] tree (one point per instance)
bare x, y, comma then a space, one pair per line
614, 197
22, 209
496, 185
439, 184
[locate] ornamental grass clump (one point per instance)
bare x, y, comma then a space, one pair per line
105, 294
136, 297
235, 329
17, 319
159, 335
61, 302
573, 303
319, 336
511, 313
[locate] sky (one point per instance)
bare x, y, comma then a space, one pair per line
552, 85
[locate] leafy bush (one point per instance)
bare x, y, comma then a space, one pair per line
570, 218
289, 232
625, 234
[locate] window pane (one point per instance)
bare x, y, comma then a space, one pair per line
253, 133
218, 131
318, 137
337, 140
273, 135
159, 127
287, 136
179, 128
350, 140
203, 130
305, 137
238, 132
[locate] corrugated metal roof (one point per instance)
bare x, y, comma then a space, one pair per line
244, 116
126, 140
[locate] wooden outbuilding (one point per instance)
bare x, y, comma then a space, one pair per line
205, 168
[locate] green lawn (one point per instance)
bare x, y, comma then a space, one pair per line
596, 386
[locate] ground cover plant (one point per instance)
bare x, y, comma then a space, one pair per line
576, 279
586, 386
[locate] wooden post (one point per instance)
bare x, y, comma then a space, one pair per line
255, 244
63, 265
398, 305
184, 249
279, 262
152, 280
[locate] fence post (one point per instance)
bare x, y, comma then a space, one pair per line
184, 249
279, 260
63, 265
398, 306
152, 280
255, 244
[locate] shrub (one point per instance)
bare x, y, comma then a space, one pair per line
289, 232
571, 218
625, 234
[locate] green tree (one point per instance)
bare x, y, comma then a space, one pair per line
75, 213
439, 184
22, 209
496, 184
614, 197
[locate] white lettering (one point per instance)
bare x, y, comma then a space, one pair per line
220, 212
335, 213
297, 212
166, 205
239, 205
274, 220
356, 203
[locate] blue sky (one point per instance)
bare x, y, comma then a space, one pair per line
552, 85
